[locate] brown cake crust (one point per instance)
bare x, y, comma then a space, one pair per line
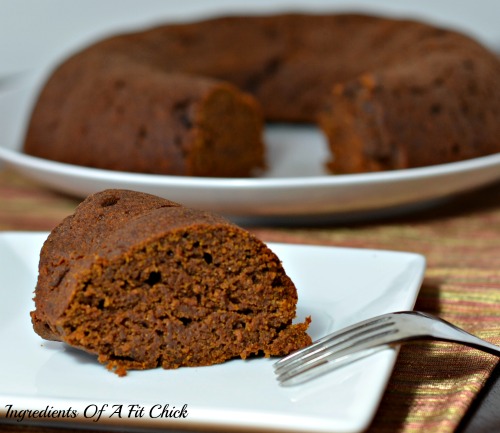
388, 93
144, 282
119, 114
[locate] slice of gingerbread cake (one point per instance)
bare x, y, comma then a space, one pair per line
143, 282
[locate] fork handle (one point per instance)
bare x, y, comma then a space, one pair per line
445, 331
436, 328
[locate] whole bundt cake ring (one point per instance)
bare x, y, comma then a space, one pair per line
190, 99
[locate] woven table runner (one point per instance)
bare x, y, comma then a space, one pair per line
433, 383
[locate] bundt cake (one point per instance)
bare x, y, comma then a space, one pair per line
388, 93
143, 282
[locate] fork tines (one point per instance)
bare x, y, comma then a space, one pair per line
335, 350
365, 338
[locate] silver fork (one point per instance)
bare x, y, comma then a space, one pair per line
362, 339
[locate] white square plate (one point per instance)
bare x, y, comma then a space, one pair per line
337, 287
